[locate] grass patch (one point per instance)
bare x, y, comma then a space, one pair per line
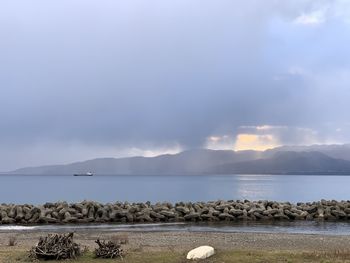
225, 256
12, 241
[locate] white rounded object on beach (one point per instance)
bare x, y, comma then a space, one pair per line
201, 252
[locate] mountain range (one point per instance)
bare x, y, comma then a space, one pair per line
315, 159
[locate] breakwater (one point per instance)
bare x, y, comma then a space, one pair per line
233, 210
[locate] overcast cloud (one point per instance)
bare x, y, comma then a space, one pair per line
84, 79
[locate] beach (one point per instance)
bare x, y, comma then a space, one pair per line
149, 244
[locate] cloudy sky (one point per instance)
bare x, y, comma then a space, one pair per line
84, 79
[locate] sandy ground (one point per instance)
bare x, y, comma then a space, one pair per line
179, 241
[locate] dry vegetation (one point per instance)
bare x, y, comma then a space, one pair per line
12, 241
108, 249
223, 256
121, 238
55, 246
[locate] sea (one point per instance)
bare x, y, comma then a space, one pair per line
38, 189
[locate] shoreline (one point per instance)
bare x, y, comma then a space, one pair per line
172, 247
144, 244
324, 228
183, 241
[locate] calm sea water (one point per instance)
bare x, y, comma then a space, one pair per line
154, 188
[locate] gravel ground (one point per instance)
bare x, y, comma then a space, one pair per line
179, 241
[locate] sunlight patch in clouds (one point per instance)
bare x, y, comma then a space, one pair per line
266, 136
255, 142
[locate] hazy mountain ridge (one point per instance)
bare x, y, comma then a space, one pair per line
281, 160
288, 163
338, 151
187, 162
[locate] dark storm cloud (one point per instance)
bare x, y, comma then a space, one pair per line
163, 73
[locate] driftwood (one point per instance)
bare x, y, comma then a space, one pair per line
55, 246
108, 249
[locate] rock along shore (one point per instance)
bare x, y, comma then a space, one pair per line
239, 210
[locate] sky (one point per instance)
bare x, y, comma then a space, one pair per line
85, 79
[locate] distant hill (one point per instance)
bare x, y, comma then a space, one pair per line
287, 163
187, 162
316, 159
338, 151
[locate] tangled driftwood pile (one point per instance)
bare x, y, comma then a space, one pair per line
108, 249
55, 246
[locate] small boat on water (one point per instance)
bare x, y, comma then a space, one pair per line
85, 174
